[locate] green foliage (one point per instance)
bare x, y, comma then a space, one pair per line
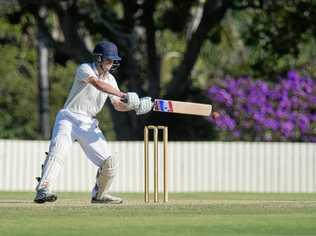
242, 52
171, 48
278, 35
261, 40
227, 57
61, 78
19, 86
175, 15
18, 94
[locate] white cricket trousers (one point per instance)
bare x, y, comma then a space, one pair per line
70, 127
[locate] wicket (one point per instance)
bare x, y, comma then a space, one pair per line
165, 161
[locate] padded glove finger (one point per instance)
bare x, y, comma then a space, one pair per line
145, 106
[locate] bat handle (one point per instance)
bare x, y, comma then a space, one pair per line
124, 99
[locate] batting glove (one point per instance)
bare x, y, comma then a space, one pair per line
145, 106
132, 101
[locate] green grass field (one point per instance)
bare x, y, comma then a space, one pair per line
185, 214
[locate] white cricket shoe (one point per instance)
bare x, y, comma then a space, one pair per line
43, 195
107, 199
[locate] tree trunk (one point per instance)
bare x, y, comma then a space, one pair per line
180, 87
43, 83
213, 13
151, 49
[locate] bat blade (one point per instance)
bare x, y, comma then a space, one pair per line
191, 108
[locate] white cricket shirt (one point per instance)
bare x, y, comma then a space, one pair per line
85, 99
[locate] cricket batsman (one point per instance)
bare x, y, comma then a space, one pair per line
76, 121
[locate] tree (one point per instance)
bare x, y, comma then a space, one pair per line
79, 21
72, 27
278, 31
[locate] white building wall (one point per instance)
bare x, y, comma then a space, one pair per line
193, 166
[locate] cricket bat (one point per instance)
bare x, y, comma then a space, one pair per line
191, 108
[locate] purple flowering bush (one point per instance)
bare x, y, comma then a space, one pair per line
253, 110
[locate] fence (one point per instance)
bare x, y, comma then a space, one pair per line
193, 166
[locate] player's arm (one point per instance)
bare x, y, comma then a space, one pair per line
104, 87
125, 101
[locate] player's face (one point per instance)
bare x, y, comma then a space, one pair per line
107, 64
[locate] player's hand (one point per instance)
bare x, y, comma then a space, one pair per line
215, 115
145, 106
131, 101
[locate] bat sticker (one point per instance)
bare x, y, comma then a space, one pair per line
163, 105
